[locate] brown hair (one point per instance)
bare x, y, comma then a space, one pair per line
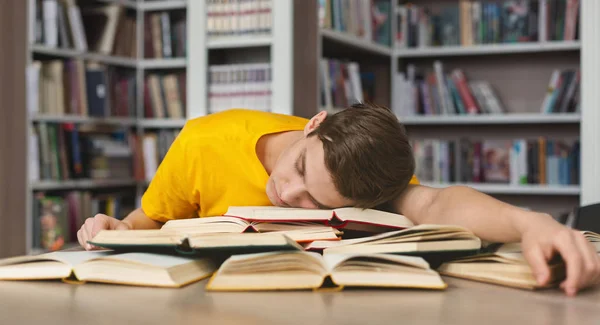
368, 154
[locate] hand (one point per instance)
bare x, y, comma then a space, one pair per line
92, 226
541, 242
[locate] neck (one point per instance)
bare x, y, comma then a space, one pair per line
271, 146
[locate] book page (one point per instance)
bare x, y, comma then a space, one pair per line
373, 217
334, 260
75, 258
158, 260
278, 213
183, 224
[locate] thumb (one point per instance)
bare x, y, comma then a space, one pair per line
537, 261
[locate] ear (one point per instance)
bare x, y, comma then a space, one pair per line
314, 122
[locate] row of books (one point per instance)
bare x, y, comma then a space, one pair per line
273, 248
521, 161
58, 217
239, 85
226, 18
369, 20
480, 22
69, 151
72, 87
165, 95
165, 35
94, 27
563, 92
149, 152
437, 93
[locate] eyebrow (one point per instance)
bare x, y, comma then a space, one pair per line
301, 167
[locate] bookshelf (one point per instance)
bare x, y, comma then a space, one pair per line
493, 119
138, 67
489, 49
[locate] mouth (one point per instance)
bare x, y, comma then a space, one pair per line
280, 201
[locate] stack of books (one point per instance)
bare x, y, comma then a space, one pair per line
271, 248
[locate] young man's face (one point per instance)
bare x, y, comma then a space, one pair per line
300, 178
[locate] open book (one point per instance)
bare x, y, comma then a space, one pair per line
297, 231
307, 270
508, 269
141, 269
591, 236
416, 240
366, 220
172, 240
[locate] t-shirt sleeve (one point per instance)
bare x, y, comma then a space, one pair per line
414, 180
172, 193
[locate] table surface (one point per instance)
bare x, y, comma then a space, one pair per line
463, 303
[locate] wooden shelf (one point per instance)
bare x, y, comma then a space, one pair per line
150, 5
239, 42
487, 119
124, 121
167, 63
161, 123
81, 184
487, 49
516, 189
355, 42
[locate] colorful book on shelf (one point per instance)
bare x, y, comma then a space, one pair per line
365, 220
438, 242
137, 269
173, 241
507, 269
306, 270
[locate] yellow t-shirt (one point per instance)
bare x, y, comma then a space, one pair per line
212, 165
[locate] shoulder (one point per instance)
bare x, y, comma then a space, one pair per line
241, 122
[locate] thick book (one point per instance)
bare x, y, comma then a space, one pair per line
138, 269
366, 220
507, 269
300, 232
189, 243
307, 270
426, 240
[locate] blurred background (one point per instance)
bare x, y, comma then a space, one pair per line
94, 92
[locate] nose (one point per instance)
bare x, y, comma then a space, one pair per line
294, 194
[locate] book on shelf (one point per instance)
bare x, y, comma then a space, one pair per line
341, 84
434, 242
149, 151
165, 35
467, 23
306, 270
238, 18
436, 93
239, 85
347, 219
69, 151
507, 269
74, 88
56, 218
369, 20
516, 162
188, 243
165, 95
562, 94
136, 269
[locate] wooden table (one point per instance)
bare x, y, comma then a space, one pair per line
463, 303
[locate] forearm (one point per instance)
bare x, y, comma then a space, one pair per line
488, 218
137, 219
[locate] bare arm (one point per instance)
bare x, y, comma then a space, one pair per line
541, 236
137, 219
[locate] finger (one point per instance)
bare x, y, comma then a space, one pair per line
80, 238
537, 262
590, 260
566, 246
101, 222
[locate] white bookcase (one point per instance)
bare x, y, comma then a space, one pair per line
138, 124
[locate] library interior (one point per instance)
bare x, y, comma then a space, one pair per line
300, 161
